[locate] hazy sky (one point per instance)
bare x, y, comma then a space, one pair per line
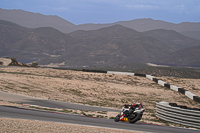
108, 11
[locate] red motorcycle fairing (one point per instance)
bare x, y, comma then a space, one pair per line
140, 106
123, 118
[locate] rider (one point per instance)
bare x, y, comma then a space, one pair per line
126, 107
136, 105
131, 107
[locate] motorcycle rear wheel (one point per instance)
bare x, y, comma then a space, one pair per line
134, 118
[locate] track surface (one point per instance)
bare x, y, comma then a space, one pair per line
50, 103
21, 113
14, 112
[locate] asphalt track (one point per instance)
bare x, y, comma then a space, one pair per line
14, 112
23, 113
49, 103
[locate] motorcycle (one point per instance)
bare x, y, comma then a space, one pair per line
130, 113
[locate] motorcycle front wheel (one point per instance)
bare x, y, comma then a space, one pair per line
117, 118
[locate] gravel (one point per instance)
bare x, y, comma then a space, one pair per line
9, 125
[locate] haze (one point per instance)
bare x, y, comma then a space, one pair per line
109, 11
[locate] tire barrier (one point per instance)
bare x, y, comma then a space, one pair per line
167, 85
95, 71
160, 82
149, 77
183, 115
196, 98
122, 73
184, 107
141, 75
155, 80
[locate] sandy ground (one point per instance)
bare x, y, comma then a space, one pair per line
8, 125
97, 89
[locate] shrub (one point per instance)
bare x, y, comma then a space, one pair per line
34, 64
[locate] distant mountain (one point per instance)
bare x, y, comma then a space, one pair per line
172, 38
21, 42
11, 33
117, 32
150, 24
142, 25
192, 34
44, 40
36, 20
187, 56
114, 45
109, 46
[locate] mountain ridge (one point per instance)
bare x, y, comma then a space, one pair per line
36, 20
108, 46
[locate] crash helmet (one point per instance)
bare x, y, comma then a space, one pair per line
137, 103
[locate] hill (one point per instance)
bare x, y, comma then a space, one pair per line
20, 42
172, 38
187, 56
36, 20
150, 24
11, 33
110, 46
192, 34
43, 40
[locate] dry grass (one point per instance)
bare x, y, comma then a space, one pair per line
106, 90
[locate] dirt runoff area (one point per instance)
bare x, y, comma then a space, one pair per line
96, 89
16, 125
